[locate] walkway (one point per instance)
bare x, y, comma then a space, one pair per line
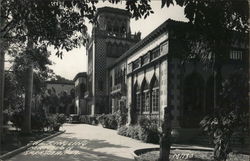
83, 142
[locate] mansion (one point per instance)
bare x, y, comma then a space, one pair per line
145, 76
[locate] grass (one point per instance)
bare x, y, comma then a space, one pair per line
190, 155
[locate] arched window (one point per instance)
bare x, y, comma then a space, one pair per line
155, 93
145, 96
137, 97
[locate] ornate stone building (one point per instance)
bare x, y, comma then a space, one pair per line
147, 76
111, 37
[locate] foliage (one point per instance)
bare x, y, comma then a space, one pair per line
149, 130
227, 14
230, 115
55, 121
146, 131
58, 103
108, 121
12, 92
61, 118
114, 120
123, 130
121, 118
38, 119
17, 117
58, 78
134, 132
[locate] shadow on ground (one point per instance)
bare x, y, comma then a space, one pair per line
70, 149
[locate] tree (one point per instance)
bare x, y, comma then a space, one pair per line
54, 23
229, 115
51, 23
41, 22
216, 26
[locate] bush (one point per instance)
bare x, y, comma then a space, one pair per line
149, 135
133, 132
38, 119
108, 121
55, 121
146, 131
61, 118
149, 130
123, 130
121, 118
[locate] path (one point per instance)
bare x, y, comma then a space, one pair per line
83, 142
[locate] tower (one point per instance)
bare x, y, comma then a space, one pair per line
111, 37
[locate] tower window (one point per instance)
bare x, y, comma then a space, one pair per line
155, 53
235, 55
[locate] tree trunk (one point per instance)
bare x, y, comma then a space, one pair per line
1, 95
1, 86
249, 78
28, 93
165, 137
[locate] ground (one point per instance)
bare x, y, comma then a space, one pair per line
83, 142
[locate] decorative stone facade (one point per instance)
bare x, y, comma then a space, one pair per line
111, 37
150, 75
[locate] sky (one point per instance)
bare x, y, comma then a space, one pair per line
75, 61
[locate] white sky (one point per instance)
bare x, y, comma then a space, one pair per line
75, 61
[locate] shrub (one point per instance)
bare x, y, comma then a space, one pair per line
146, 130
108, 121
121, 118
61, 118
56, 120
133, 132
101, 119
149, 130
38, 119
123, 130
149, 135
